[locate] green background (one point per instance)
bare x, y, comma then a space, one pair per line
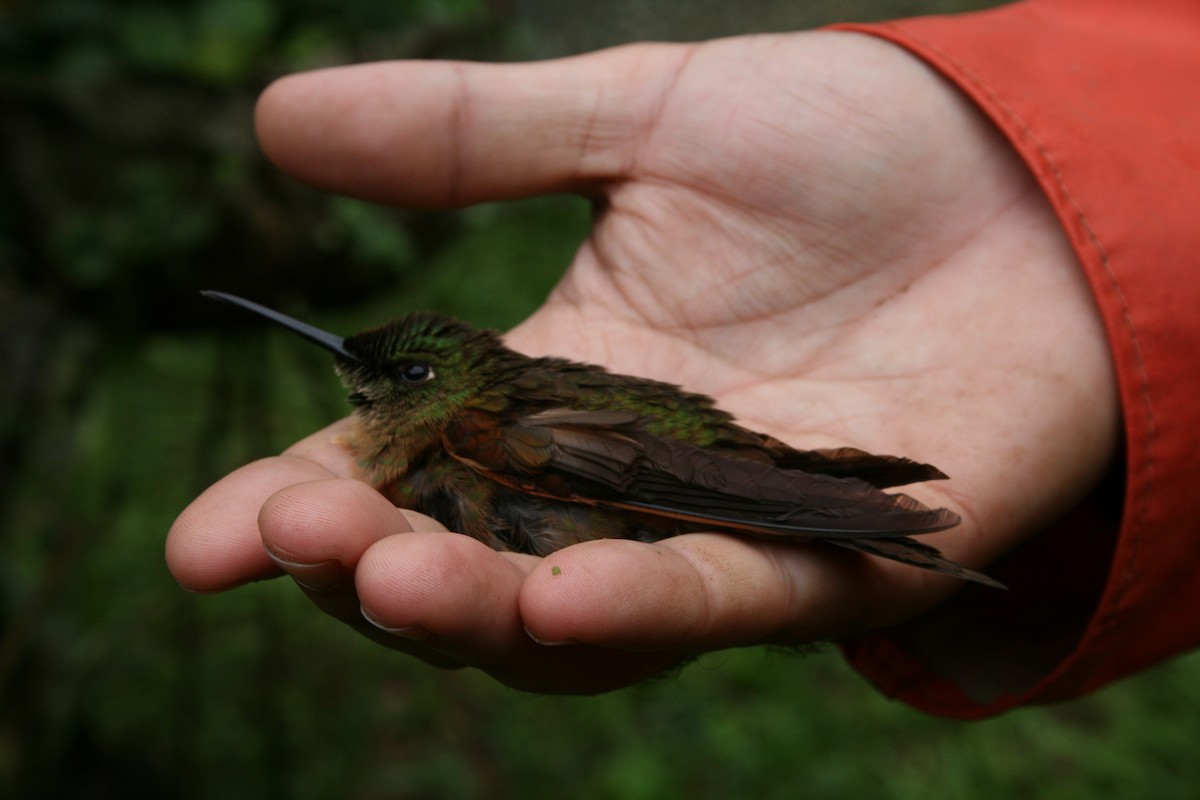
131, 180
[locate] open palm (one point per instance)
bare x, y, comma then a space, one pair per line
812, 228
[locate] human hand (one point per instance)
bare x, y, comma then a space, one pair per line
813, 228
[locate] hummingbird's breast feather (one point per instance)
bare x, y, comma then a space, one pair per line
386, 451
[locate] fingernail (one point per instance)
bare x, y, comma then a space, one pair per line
320, 577
414, 633
545, 643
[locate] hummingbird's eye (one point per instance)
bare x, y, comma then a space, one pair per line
415, 372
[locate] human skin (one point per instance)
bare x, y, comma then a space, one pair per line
814, 228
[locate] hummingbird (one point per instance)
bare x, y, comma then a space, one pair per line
534, 454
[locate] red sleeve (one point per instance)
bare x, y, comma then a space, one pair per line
1101, 98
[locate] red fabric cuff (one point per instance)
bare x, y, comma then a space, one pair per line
1101, 100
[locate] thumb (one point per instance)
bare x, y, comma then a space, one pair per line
446, 134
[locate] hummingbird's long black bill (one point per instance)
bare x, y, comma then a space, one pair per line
334, 344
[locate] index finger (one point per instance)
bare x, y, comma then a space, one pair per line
215, 543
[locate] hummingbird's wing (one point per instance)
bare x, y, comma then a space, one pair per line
605, 458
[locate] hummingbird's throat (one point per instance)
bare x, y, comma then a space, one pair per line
381, 457
385, 440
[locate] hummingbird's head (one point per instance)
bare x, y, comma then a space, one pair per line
418, 369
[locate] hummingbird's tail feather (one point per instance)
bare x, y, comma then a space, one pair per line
917, 554
880, 471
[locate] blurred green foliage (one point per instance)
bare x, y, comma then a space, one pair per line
131, 180
130, 159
